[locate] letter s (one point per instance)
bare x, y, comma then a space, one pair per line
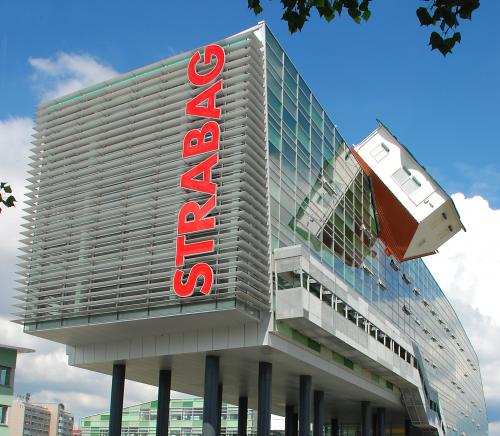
200, 270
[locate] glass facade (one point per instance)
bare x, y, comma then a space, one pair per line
321, 199
186, 418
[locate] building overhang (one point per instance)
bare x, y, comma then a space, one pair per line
119, 326
18, 349
416, 216
344, 388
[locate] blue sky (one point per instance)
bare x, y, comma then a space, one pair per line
444, 109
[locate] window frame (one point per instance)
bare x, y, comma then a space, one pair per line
8, 376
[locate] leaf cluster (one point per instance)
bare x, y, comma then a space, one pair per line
297, 12
444, 14
6, 200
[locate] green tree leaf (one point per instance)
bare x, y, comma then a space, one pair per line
436, 40
255, 6
9, 202
424, 16
445, 15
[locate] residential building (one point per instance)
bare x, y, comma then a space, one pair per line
200, 224
45, 419
8, 359
61, 421
29, 419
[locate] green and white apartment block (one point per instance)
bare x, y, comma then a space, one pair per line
186, 418
8, 358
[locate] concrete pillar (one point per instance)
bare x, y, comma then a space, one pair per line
242, 416
116, 408
305, 405
219, 409
408, 427
334, 426
211, 396
319, 414
264, 406
295, 426
289, 416
162, 415
380, 421
365, 418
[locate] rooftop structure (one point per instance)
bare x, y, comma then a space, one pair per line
200, 224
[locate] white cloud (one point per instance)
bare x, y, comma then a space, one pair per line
67, 72
73, 401
494, 428
15, 137
466, 268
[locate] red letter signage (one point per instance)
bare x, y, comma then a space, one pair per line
193, 215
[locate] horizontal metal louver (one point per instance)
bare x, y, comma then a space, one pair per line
104, 193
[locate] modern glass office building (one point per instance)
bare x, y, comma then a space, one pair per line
200, 223
186, 417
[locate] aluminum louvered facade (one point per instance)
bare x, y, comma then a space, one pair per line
104, 196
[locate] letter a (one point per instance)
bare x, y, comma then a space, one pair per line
198, 141
191, 178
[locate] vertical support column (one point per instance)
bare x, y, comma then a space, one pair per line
289, 416
210, 396
219, 409
305, 405
264, 406
407, 427
162, 415
365, 418
380, 421
116, 409
335, 427
319, 413
295, 426
242, 416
